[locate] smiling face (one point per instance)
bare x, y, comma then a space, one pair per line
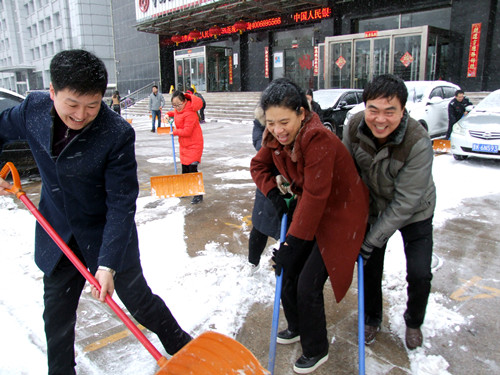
76, 110
178, 104
284, 123
383, 116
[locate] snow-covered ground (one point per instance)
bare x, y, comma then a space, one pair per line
219, 297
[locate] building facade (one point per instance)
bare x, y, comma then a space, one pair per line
33, 31
237, 45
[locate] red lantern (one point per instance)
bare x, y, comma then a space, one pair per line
176, 39
195, 35
214, 31
240, 26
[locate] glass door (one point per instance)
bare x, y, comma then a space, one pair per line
340, 65
407, 51
299, 66
381, 56
362, 59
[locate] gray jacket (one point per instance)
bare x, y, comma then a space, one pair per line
156, 101
398, 175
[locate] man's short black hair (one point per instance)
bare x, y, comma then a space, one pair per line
459, 92
386, 86
80, 71
154, 86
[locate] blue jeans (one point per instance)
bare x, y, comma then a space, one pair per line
154, 115
417, 238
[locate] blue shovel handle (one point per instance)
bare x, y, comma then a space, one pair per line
361, 316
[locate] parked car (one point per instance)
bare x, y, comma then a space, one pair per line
427, 103
335, 104
478, 133
17, 152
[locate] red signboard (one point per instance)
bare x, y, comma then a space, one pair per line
316, 61
473, 50
266, 62
310, 15
230, 69
371, 34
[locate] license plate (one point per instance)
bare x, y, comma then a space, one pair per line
485, 148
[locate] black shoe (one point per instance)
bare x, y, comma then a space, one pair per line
197, 199
305, 365
152, 130
370, 333
287, 337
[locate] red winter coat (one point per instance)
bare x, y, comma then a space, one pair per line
332, 202
188, 129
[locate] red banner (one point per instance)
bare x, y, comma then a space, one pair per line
316, 61
230, 69
473, 50
266, 62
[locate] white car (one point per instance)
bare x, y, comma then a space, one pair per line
478, 133
427, 103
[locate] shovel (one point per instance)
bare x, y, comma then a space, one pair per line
182, 185
276, 308
210, 353
361, 316
441, 146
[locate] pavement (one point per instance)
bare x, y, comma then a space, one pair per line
466, 249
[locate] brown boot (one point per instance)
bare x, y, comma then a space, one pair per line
370, 333
414, 338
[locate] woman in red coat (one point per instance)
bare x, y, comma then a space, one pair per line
329, 221
188, 129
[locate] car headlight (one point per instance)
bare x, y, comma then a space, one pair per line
458, 128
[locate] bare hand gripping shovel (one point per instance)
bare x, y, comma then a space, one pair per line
210, 353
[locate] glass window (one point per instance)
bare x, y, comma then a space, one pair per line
350, 98
381, 23
57, 19
407, 51
437, 92
340, 64
438, 17
449, 92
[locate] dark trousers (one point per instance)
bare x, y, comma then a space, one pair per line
62, 290
417, 238
256, 244
304, 305
155, 115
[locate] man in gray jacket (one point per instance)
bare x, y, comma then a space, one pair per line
394, 155
156, 102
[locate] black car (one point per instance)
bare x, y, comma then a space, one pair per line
17, 152
335, 104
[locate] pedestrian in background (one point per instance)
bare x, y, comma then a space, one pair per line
265, 221
156, 102
329, 221
115, 102
85, 154
315, 107
393, 153
456, 110
188, 129
202, 110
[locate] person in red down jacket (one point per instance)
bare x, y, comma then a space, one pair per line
188, 129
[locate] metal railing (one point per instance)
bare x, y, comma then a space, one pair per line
132, 98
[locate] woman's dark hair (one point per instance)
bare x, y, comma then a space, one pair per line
386, 86
282, 92
80, 71
178, 94
310, 93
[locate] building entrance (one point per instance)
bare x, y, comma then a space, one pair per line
414, 54
207, 68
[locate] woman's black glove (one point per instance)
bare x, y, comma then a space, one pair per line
366, 251
278, 201
291, 256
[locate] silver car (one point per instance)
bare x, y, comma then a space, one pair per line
478, 133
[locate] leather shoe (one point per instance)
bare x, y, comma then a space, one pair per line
414, 338
370, 333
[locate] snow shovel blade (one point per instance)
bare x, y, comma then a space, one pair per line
212, 353
177, 185
163, 130
441, 146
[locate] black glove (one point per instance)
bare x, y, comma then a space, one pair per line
366, 250
278, 201
291, 256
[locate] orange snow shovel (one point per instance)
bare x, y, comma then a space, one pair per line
210, 353
177, 185
441, 146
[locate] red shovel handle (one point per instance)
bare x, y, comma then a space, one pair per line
17, 190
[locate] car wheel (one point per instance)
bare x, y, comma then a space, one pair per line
424, 124
459, 157
329, 126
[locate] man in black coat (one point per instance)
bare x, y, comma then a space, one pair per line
456, 109
85, 154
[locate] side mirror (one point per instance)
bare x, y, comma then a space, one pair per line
435, 100
342, 104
